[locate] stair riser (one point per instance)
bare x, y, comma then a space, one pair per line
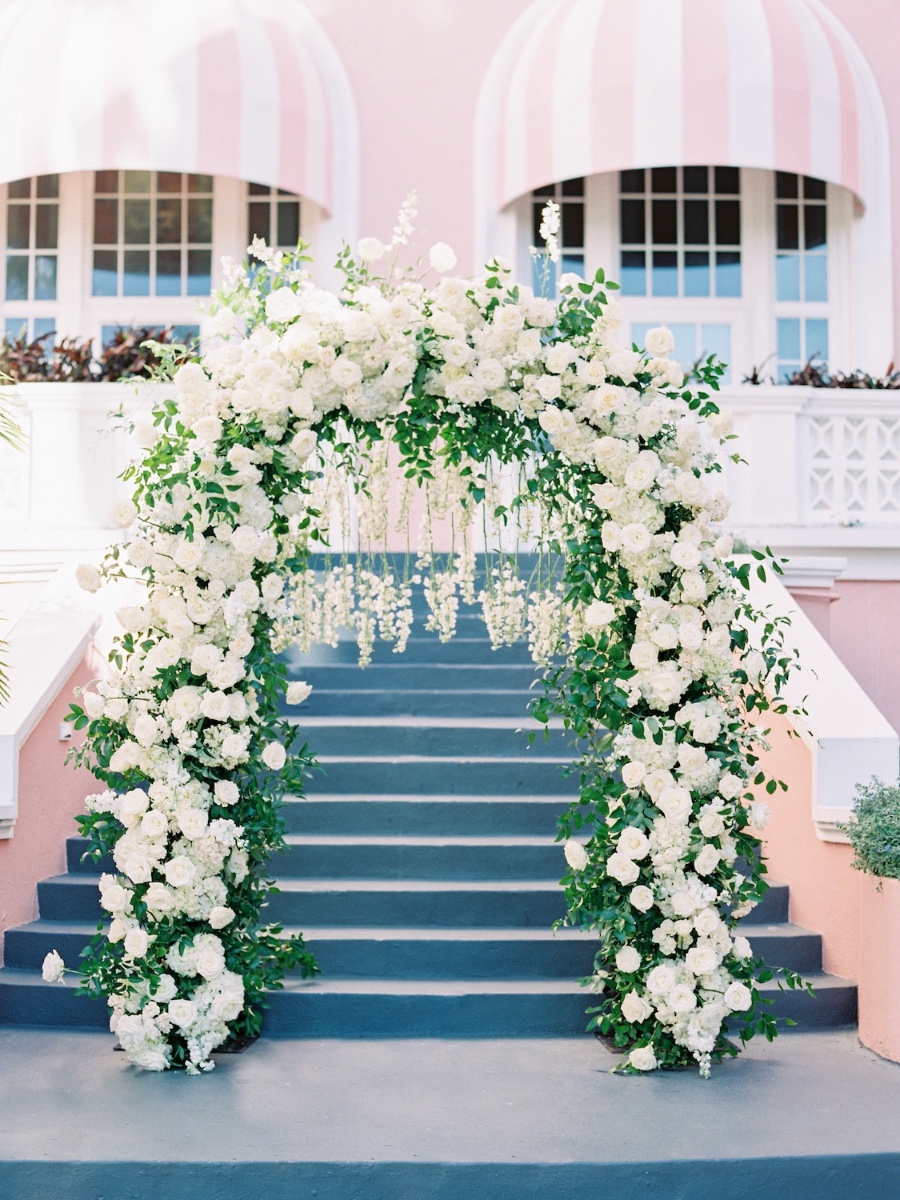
464, 648
409, 676
475, 778
431, 818
27, 946
802, 952
33, 1004
362, 740
374, 703
773, 908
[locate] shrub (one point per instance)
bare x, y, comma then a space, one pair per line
874, 829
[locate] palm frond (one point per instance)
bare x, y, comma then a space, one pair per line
11, 431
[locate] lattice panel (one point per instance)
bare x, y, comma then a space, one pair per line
854, 468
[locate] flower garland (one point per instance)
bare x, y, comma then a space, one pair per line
289, 423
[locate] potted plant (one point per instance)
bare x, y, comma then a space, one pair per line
874, 833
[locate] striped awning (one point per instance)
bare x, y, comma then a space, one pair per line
218, 87
605, 85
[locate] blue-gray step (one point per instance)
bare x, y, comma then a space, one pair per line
415, 702
448, 737
461, 650
420, 677
455, 775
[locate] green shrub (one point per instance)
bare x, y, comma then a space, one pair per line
874, 829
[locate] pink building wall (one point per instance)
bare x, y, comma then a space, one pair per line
50, 794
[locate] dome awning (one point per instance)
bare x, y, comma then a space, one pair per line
606, 85
241, 88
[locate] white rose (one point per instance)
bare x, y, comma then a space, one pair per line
635, 1008
204, 658
272, 587
693, 586
659, 342
145, 434
245, 539
738, 996
661, 980
183, 1012
681, 999
274, 756
166, 989
643, 655
634, 538
664, 637
303, 444
133, 805
706, 729
137, 867
628, 960
88, 578
180, 871
297, 692
184, 703
611, 536
730, 786
154, 824
675, 804
93, 704
192, 822
234, 746
283, 304
685, 555
702, 960
576, 855
711, 824
549, 387
642, 1058
139, 552
216, 706
640, 474
690, 636
707, 921
207, 430
210, 962
226, 793
220, 916
224, 322
122, 513
345, 373
684, 904
146, 730
707, 860
760, 814
599, 614
622, 869
742, 948
137, 942
442, 258
53, 967
159, 899
189, 555
227, 1006
633, 773
641, 897
370, 249
633, 843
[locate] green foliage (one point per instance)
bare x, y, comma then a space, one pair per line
874, 829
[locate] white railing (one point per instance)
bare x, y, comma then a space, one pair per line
817, 458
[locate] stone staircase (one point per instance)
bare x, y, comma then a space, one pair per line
422, 866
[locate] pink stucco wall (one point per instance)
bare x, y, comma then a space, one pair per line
50, 794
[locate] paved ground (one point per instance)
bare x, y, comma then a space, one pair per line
813, 1113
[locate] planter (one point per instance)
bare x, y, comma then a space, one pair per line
879, 967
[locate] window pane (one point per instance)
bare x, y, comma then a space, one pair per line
817, 338
45, 277
789, 338
785, 185
168, 181
104, 274
631, 181
200, 183
258, 189
716, 339
137, 181
199, 272
168, 221
289, 223
696, 222
573, 263
572, 187
136, 280
633, 227
16, 328
43, 326
685, 336
664, 179
696, 179
199, 221
20, 189
815, 277
814, 226
106, 181
168, 272
728, 222
46, 235
137, 224
47, 189
728, 180
728, 273
788, 227
634, 273
258, 222
696, 273
106, 222
186, 334
813, 189
665, 224
18, 223
787, 276
665, 273
572, 225
16, 277
547, 190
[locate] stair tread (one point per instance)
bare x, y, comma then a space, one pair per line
484, 759
418, 885
427, 798
426, 722
463, 841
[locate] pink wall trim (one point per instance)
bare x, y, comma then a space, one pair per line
50, 794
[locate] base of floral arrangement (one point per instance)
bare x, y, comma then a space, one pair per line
236, 1045
610, 1045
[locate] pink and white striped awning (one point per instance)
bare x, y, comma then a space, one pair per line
218, 87
604, 85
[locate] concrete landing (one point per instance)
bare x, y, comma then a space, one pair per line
813, 1115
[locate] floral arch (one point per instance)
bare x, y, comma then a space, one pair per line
638, 614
